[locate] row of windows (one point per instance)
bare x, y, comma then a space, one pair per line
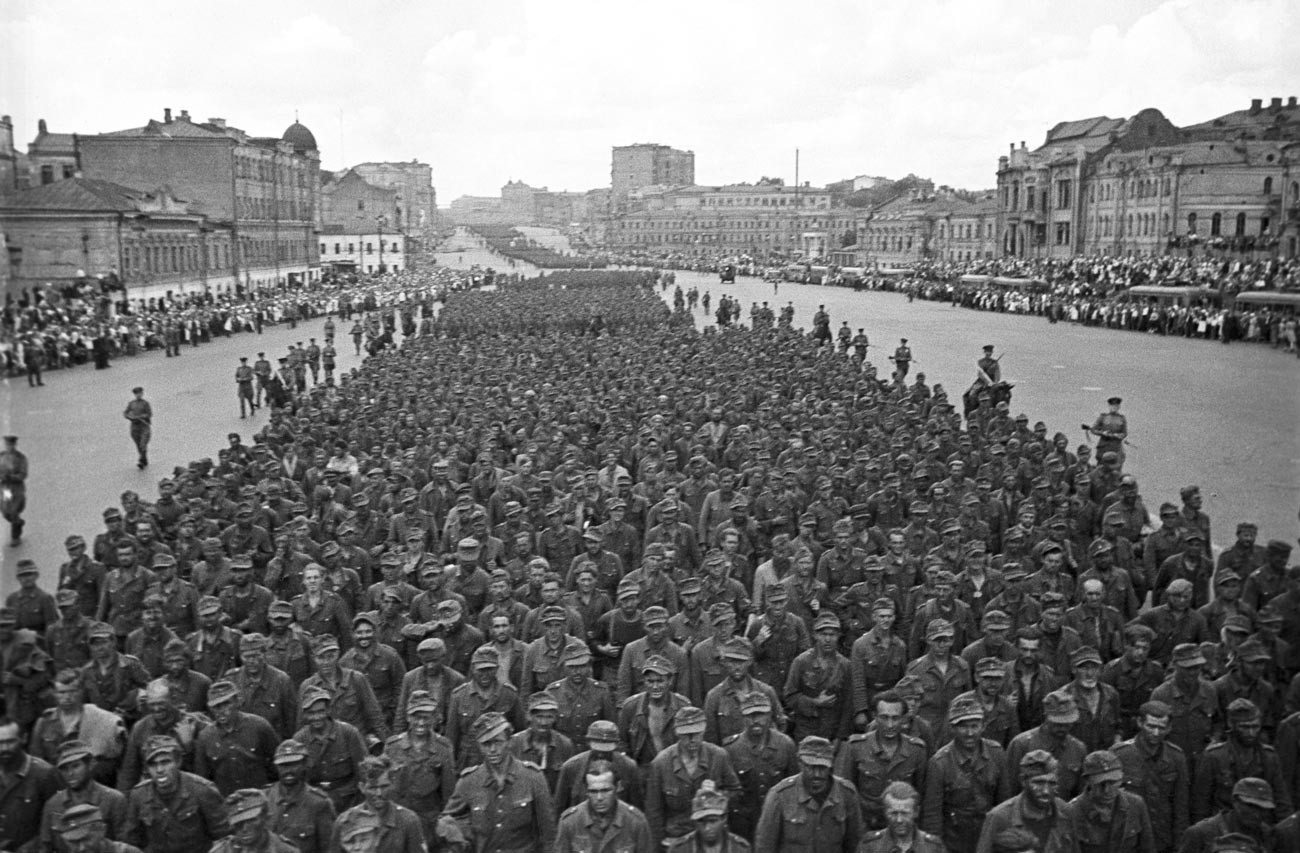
258, 169
174, 258
264, 208
750, 224
384, 246
965, 232
764, 202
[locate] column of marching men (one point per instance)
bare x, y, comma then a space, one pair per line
517, 586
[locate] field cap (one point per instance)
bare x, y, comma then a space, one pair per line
489, 725
825, 621
1060, 708
1187, 654
939, 628
80, 822
73, 750
159, 744
290, 752
756, 702
221, 692
817, 751
1255, 791
245, 804
964, 708
654, 616
1102, 766
688, 720
602, 733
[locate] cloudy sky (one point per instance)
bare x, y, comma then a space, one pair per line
488, 91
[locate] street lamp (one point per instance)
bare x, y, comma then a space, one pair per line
380, 219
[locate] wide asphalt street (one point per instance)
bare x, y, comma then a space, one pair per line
1226, 418
1222, 417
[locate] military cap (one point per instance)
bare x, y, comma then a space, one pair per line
1047, 546
825, 621
208, 605
484, 657
467, 544
73, 750
719, 612
111, 513
976, 546
421, 701
1193, 534
241, 563
737, 648
628, 587
431, 644
1100, 546
593, 534
96, 631
1136, 632
807, 519
1060, 707
939, 628
1110, 456
1277, 546
690, 586
246, 804
964, 708
919, 507
1242, 711
1234, 842
280, 608
1255, 791
1102, 765
74, 540
659, 664
1085, 654
755, 702
489, 725
323, 643
220, 692
65, 597
1037, 762
1223, 576
654, 549
1253, 649
816, 751
996, 620
602, 733
312, 695
577, 654
688, 720
542, 701
367, 617
990, 666
554, 613
375, 769
360, 499
449, 607
951, 526
79, 822
1015, 839
290, 752
1013, 572
654, 616
945, 578
708, 801
26, 567
158, 744
1179, 585
616, 503
1269, 616
1052, 599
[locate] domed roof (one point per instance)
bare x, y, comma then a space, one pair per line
300, 138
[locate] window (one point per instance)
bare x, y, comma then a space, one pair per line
1216, 225
1062, 195
370, 248
361, 204
69, 171
1268, 186
47, 175
322, 248
336, 248
1241, 225
1191, 223
1263, 225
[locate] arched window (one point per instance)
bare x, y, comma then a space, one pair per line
1216, 225
1191, 223
1241, 225
1268, 186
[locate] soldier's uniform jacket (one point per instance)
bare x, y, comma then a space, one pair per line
627, 831
351, 701
467, 703
959, 791
21, 801
862, 761
102, 731
1009, 813
939, 688
669, 788
1097, 729
274, 844
1134, 685
772, 659
810, 676
792, 820
111, 804
631, 680
880, 841
1222, 764
572, 785
1161, 780
438, 686
1128, 830
759, 767
122, 601
288, 653
722, 715
550, 760
384, 672
1201, 835
689, 843
424, 776
1195, 715
513, 816
704, 670
189, 822
542, 664
115, 687
304, 818
149, 646
333, 759
214, 655
877, 663
1069, 752
400, 831
239, 758
580, 707
270, 696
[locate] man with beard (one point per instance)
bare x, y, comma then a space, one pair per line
1036, 809
400, 831
603, 820
148, 642
26, 784
238, 750
1250, 815
502, 804
380, 665
540, 744
248, 812
543, 659
762, 756
298, 813
434, 677
1098, 703
189, 689
778, 637
676, 773
964, 779
101, 732
75, 764
1192, 701
1156, 771
654, 620
510, 651
482, 693
173, 811
424, 767
1133, 675
709, 809
1108, 819
1053, 737
214, 645
582, 700
722, 706
352, 700
1242, 754
263, 690
812, 810
873, 760
902, 807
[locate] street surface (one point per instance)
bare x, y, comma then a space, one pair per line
1222, 417
1192, 416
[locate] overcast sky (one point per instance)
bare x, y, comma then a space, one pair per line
488, 91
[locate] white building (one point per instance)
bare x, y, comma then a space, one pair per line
363, 253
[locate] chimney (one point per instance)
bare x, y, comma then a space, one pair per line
1290, 102
1275, 104
1022, 145
218, 122
1255, 105
1012, 146
41, 127
185, 115
167, 115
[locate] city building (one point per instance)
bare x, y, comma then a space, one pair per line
71, 229
9, 163
362, 252
477, 210
965, 230
51, 156
417, 200
265, 190
1141, 186
648, 164
353, 205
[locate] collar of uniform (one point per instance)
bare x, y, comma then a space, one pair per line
975, 759
331, 732
617, 821
21, 772
1018, 812
833, 797
490, 778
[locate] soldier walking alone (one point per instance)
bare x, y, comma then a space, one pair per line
140, 414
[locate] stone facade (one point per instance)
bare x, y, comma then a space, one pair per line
644, 165
363, 252
353, 205
417, 200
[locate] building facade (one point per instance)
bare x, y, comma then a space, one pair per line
266, 190
352, 204
648, 164
362, 252
156, 244
416, 201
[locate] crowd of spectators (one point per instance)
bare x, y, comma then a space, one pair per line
566, 565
